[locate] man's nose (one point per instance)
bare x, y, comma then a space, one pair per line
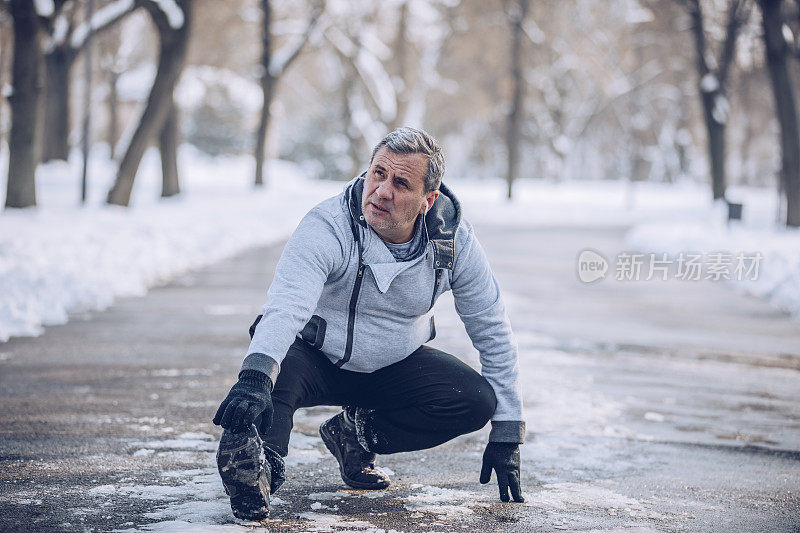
384, 191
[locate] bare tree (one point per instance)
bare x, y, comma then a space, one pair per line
366, 111
168, 146
26, 76
356, 146
713, 78
516, 11
59, 56
777, 53
87, 102
400, 60
173, 29
273, 66
111, 69
5, 48
384, 85
65, 41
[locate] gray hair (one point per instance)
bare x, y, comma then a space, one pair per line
413, 141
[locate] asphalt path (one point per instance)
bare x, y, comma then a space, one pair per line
651, 406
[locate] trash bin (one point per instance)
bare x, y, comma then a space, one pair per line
734, 211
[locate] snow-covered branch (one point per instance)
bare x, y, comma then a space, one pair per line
44, 8
104, 18
173, 12
60, 32
378, 83
284, 57
370, 69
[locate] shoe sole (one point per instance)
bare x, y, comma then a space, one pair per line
327, 438
245, 479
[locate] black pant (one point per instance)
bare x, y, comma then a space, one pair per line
420, 402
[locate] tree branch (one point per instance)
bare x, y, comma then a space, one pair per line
738, 13
102, 20
698, 32
157, 15
276, 67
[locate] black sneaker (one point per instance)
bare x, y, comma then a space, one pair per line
356, 465
245, 476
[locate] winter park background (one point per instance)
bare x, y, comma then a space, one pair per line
623, 127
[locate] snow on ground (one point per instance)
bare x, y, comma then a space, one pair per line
198, 502
60, 259
706, 231
444, 501
663, 218
544, 203
184, 441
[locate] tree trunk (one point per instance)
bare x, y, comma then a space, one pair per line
87, 105
168, 146
400, 61
113, 120
713, 80
267, 86
26, 73
518, 12
269, 78
681, 141
58, 64
170, 62
5, 46
785, 107
715, 131
353, 138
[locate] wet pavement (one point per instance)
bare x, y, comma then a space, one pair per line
650, 406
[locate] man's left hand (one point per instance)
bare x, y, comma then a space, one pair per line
503, 458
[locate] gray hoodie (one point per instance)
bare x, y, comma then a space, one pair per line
370, 314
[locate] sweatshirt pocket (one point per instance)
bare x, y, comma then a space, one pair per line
314, 331
253, 327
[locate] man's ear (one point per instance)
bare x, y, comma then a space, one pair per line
430, 198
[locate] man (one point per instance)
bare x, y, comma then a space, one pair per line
347, 314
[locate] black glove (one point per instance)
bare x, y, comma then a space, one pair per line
247, 399
503, 457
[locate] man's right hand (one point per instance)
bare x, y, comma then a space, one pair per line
247, 399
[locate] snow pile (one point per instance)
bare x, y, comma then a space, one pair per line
708, 232
568, 496
332, 522
443, 501
184, 441
199, 504
60, 258
565, 495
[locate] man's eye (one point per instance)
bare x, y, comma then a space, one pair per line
402, 184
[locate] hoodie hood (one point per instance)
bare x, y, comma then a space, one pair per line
441, 221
